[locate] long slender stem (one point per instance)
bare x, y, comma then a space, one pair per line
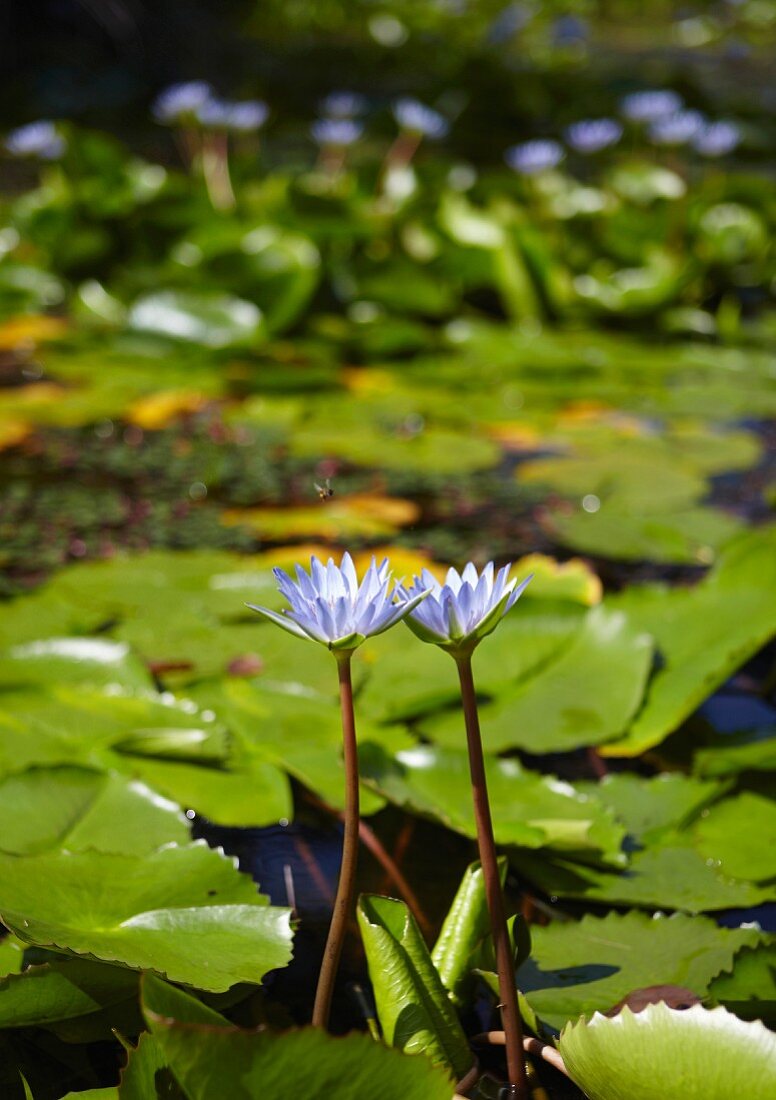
510, 1013
343, 903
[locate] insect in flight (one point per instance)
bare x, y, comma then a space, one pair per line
325, 491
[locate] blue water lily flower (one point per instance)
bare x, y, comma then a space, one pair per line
36, 139
459, 613
416, 117
343, 104
677, 129
591, 135
329, 606
534, 156
181, 101
651, 105
339, 132
717, 139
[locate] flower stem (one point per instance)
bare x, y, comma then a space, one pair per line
510, 1013
343, 903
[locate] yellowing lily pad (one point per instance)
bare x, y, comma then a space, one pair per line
157, 410
570, 580
364, 515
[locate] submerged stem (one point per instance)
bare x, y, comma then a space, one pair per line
510, 1013
343, 903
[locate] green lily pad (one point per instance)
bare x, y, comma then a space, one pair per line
734, 753
211, 320
668, 875
11, 954
182, 911
584, 697
749, 989
531, 636
413, 1007
168, 744
88, 660
432, 450
79, 809
529, 810
662, 1052
300, 732
65, 989
580, 967
308, 1061
739, 835
703, 634
648, 807
691, 535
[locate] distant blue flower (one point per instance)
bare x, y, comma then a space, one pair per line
717, 139
651, 105
343, 104
593, 134
329, 606
180, 101
677, 129
36, 139
509, 21
336, 131
222, 114
457, 615
415, 116
567, 30
534, 156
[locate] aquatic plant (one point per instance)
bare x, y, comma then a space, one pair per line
456, 616
329, 606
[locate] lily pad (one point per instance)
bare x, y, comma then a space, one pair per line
66, 989
212, 320
584, 697
660, 1052
739, 835
529, 810
88, 660
648, 807
251, 1062
749, 989
580, 967
182, 911
78, 809
668, 875
703, 634
366, 516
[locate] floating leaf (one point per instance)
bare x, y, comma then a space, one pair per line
66, 989
529, 810
298, 731
703, 634
647, 807
669, 875
79, 809
739, 835
364, 515
251, 1063
157, 410
89, 660
749, 989
212, 320
691, 535
580, 967
584, 697
413, 1007
661, 1052
182, 911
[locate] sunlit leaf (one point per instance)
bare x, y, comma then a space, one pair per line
700, 1054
